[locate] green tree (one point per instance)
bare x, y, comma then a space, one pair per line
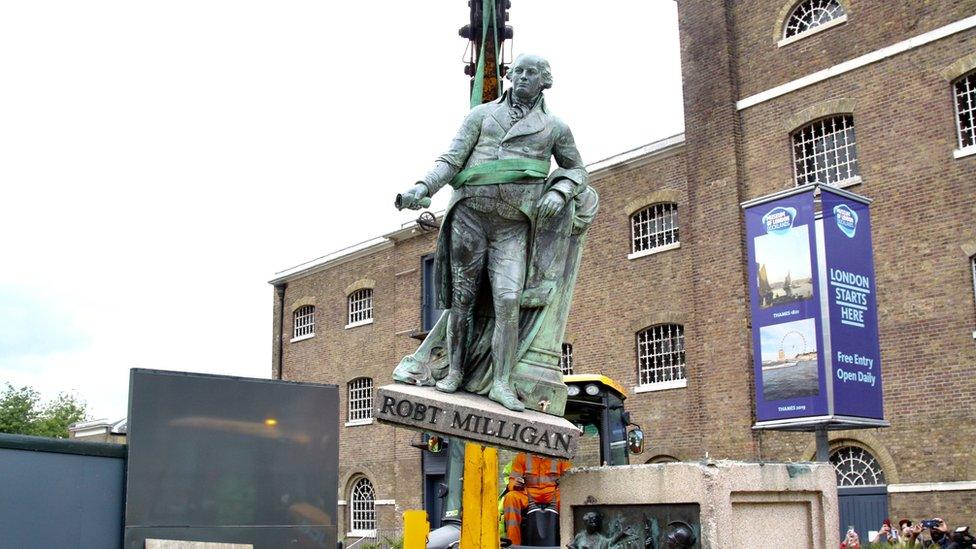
22, 413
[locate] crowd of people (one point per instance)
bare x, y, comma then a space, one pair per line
934, 533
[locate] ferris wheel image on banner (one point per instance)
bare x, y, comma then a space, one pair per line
792, 344
789, 360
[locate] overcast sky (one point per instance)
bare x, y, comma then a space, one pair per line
160, 161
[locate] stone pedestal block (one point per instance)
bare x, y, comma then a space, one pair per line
475, 418
740, 504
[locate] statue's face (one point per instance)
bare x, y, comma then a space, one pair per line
526, 78
592, 522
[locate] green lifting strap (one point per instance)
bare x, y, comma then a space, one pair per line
506, 170
487, 18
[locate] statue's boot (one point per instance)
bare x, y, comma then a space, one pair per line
503, 346
503, 394
451, 381
457, 330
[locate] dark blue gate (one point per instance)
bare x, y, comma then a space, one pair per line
863, 507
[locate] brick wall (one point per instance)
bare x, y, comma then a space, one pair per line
956, 508
923, 217
719, 340
871, 25
615, 296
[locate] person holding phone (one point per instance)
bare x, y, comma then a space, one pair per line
886, 534
851, 540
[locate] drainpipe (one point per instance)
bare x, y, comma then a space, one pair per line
280, 358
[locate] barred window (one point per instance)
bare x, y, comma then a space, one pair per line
655, 226
362, 508
304, 321
660, 354
361, 307
825, 151
965, 91
566, 359
360, 399
856, 467
810, 14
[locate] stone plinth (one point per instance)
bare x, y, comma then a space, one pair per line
740, 504
475, 418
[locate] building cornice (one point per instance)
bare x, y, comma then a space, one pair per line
333, 259
858, 62
633, 158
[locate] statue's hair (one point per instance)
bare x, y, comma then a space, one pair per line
595, 515
541, 64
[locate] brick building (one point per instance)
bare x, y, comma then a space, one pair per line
879, 98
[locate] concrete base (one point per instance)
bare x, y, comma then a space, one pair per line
741, 504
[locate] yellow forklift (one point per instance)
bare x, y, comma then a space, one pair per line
595, 404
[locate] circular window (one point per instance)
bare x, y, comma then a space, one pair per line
811, 14
856, 467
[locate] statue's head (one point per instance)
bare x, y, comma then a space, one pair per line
592, 521
529, 75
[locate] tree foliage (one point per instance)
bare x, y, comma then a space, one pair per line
22, 413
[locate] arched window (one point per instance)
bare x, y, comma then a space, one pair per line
662, 458
362, 509
360, 307
965, 91
566, 359
661, 356
856, 466
304, 325
810, 14
825, 151
360, 401
654, 228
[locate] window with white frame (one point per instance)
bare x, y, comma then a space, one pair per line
361, 307
654, 228
972, 267
362, 508
566, 359
810, 14
361, 400
965, 92
304, 322
856, 467
661, 354
825, 151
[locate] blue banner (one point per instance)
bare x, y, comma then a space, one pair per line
786, 325
851, 307
814, 310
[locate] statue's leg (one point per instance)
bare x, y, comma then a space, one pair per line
468, 251
507, 255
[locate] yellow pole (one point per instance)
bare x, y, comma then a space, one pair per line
471, 497
489, 499
415, 529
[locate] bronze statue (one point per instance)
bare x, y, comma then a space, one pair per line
508, 251
591, 537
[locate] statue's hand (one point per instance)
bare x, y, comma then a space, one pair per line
550, 204
413, 199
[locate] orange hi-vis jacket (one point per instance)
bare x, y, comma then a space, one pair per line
541, 486
541, 475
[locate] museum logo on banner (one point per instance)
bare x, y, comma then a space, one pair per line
846, 220
779, 220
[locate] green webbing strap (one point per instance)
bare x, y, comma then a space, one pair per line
487, 17
506, 170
